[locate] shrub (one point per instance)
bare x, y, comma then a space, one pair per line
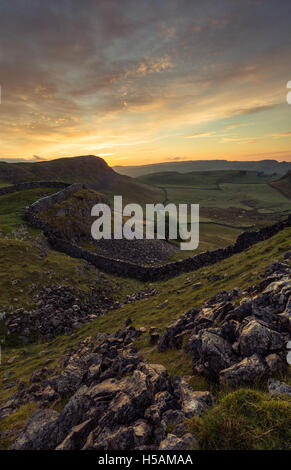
245, 420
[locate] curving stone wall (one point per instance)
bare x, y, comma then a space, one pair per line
147, 273
32, 211
127, 269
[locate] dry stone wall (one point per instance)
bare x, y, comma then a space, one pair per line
127, 269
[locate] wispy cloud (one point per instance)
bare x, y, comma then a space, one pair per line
239, 140
254, 109
197, 135
145, 72
281, 134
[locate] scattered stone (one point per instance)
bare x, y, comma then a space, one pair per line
247, 371
12, 359
154, 338
278, 388
192, 402
116, 401
172, 442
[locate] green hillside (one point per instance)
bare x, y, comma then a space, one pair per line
270, 167
205, 179
180, 297
88, 169
12, 206
73, 215
283, 185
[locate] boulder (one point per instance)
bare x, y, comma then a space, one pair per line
69, 380
216, 352
173, 417
37, 434
278, 388
76, 438
257, 338
192, 402
49, 394
248, 370
275, 363
172, 442
105, 439
141, 432
158, 377
163, 401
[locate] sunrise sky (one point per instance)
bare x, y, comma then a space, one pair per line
145, 81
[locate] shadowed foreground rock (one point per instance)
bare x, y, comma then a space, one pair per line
116, 401
239, 337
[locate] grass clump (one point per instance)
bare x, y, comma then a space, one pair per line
12, 206
245, 420
14, 424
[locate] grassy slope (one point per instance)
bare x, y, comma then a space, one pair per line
223, 189
283, 185
205, 179
179, 292
245, 420
230, 202
86, 169
266, 166
244, 196
12, 206
212, 236
25, 262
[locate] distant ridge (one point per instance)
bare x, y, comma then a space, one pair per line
266, 166
87, 169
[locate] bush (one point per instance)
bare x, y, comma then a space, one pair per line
245, 420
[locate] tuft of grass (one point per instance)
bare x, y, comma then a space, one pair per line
12, 206
245, 420
199, 383
25, 269
176, 361
15, 423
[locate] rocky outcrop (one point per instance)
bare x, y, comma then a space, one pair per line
236, 338
61, 309
115, 401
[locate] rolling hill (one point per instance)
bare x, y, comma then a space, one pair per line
88, 169
266, 166
200, 179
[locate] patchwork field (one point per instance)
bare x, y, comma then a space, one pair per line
230, 201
